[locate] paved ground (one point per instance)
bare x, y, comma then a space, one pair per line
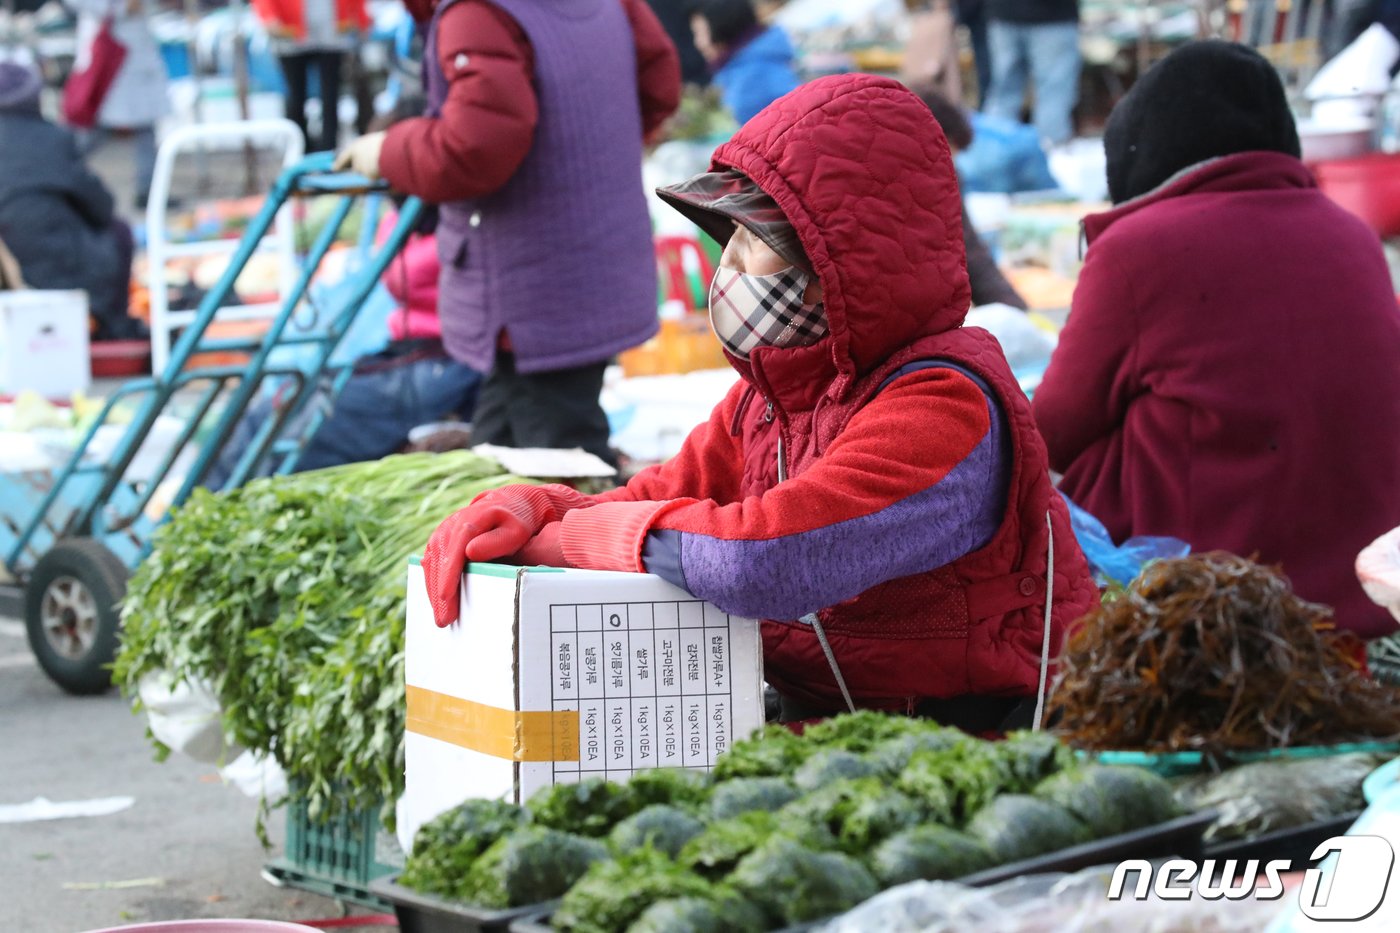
187, 846
195, 179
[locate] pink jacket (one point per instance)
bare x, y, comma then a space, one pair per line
412, 278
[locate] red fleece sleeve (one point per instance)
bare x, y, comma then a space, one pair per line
658, 67
901, 446
1092, 376
488, 120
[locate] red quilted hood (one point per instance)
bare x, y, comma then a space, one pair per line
861, 168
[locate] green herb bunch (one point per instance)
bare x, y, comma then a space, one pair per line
288, 597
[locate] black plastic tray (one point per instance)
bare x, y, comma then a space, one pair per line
1296, 844
1179, 837
423, 913
537, 921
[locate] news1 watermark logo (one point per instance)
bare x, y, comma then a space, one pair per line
1350, 888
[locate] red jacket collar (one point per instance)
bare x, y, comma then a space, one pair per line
1243, 171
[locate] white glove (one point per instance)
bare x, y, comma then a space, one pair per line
362, 156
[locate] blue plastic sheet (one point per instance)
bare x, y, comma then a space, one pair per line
1119, 563
1005, 158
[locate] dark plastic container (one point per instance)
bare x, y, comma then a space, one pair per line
1178, 837
423, 913
1296, 844
536, 921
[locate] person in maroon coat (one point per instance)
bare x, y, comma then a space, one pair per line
1230, 372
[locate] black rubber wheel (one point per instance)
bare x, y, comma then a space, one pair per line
71, 613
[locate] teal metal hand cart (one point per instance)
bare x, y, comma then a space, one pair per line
71, 537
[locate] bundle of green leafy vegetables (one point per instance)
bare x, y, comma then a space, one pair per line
288, 597
785, 830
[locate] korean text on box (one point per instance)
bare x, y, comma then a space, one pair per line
559, 675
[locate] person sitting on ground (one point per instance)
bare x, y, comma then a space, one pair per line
412, 382
989, 286
1230, 371
873, 484
56, 217
751, 64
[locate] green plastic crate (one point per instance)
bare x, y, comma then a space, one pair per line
337, 858
1180, 764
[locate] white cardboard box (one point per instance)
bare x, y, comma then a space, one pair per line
557, 675
44, 343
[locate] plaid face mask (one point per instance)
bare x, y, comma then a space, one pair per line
750, 311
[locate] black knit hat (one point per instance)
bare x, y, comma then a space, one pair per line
1204, 100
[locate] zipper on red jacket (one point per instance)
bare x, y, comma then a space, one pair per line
782, 448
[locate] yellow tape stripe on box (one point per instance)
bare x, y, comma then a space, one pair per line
491, 730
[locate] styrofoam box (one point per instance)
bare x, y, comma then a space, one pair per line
44, 342
552, 676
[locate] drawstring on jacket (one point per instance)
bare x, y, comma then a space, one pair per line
816, 623
1036, 724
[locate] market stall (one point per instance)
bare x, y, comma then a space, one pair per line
1186, 750
592, 752
1248, 738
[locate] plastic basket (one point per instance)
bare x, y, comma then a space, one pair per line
337, 858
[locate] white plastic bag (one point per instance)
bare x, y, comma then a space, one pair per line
184, 716
1027, 346
1080, 167
256, 776
1050, 903
1378, 567
1350, 85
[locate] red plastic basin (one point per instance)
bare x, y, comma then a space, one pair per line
1368, 186
211, 926
114, 359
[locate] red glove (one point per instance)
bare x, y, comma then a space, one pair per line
497, 524
545, 549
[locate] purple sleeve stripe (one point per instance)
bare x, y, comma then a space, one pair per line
790, 576
661, 555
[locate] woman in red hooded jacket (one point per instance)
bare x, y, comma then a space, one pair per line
873, 487
1230, 372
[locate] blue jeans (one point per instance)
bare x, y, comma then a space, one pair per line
384, 400
1047, 53
973, 15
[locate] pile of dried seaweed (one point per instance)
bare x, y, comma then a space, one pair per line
1215, 653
